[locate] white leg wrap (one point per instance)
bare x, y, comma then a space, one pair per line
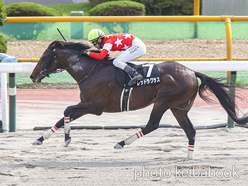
67, 125
50, 132
191, 151
134, 137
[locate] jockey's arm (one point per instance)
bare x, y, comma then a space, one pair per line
100, 55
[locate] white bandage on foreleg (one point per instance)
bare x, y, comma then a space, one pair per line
67, 125
134, 137
50, 132
191, 151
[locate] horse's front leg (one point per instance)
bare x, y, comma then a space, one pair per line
58, 125
71, 113
67, 130
82, 108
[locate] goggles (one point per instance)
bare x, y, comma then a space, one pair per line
94, 43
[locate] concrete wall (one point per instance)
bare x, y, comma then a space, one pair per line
225, 7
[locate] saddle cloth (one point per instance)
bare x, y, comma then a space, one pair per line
150, 75
149, 72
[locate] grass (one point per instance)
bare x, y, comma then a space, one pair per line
23, 78
67, 8
242, 78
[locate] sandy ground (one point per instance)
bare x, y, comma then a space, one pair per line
156, 159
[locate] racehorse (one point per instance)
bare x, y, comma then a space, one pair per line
100, 91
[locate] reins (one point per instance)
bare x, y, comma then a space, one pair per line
85, 77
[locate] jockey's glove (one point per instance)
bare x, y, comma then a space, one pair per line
84, 53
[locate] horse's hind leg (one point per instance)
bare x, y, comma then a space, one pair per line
153, 123
185, 123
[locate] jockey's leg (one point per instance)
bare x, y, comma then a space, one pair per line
133, 74
137, 50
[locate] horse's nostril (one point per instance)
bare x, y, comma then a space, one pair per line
31, 77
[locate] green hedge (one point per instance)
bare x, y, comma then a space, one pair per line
2, 13
30, 9
162, 7
168, 7
118, 8
3, 44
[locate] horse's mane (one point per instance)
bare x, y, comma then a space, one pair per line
70, 45
75, 46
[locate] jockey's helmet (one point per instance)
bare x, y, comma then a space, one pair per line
95, 34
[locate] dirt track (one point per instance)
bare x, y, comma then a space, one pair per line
156, 159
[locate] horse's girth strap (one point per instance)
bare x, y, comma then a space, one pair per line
124, 100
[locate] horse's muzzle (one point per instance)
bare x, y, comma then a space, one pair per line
35, 80
32, 78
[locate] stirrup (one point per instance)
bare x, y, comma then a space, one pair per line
136, 78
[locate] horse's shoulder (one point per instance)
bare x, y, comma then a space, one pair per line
107, 63
106, 68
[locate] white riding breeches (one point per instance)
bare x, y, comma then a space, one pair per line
137, 50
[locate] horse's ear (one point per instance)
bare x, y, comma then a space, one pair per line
59, 44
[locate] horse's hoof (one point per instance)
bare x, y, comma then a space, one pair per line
118, 146
67, 142
37, 142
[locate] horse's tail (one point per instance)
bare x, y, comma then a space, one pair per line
220, 91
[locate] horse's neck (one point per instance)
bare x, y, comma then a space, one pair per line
76, 66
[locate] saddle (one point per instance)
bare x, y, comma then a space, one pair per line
149, 72
150, 75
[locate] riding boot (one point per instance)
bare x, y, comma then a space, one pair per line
133, 74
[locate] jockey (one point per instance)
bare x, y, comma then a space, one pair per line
133, 48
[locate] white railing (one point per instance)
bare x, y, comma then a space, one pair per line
28, 68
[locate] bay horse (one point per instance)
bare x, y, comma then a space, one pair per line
100, 91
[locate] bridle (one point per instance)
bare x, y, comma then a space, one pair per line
48, 64
52, 58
